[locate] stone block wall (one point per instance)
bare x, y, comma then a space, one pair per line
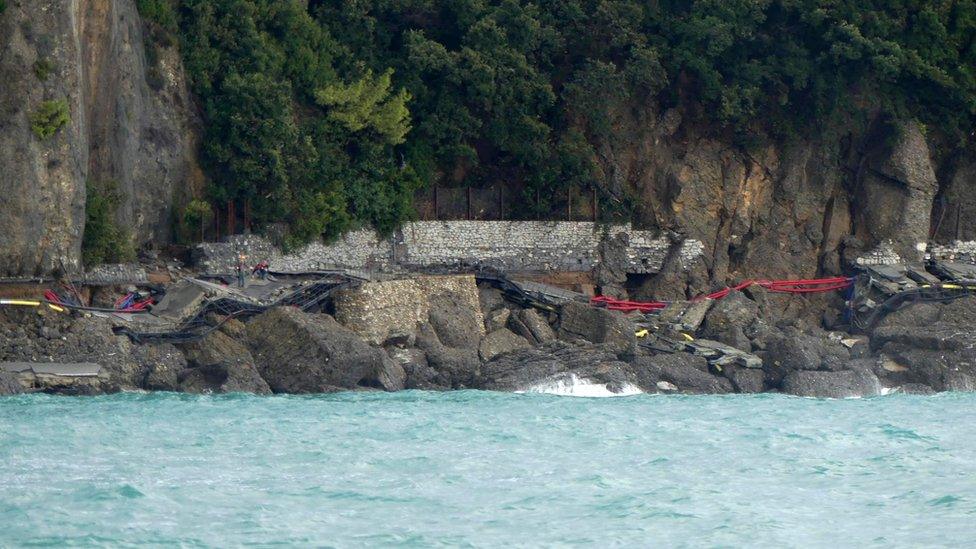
510, 246
380, 310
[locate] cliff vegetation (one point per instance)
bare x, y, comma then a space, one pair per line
332, 113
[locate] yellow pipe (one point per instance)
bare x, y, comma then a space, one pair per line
22, 302
55, 307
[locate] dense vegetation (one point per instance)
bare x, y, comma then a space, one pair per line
333, 114
104, 240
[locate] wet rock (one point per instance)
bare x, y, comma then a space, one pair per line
417, 371
537, 325
500, 342
793, 350
165, 362
689, 373
596, 325
916, 389
455, 368
10, 384
745, 380
522, 369
296, 352
830, 384
929, 344
391, 376
219, 364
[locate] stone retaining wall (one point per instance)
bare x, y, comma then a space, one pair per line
510, 246
380, 310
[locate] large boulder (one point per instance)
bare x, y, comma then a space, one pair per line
687, 373
794, 350
165, 362
454, 368
730, 320
219, 364
457, 325
529, 367
827, 384
930, 344
10, 384
297, 352
500, 342
538, 326
580, 321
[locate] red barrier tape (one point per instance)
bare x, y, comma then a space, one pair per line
807, 286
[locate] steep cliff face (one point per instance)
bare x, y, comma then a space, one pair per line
121, 129
777, 209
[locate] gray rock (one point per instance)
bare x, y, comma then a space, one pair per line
537, 325
597, 325
745, 380
219, 364
165, 362
497, 319
491, 300
793, 350
454, 368
456, 325
500, 342
10, 384
830, 384
296, 352
689, 373
527, 367
121, 129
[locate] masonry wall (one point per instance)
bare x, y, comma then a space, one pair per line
380, 310
511, 246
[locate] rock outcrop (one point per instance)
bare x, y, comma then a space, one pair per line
219, 364
297, 352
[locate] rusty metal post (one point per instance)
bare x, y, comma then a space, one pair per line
596, 206
469, 202
435, 203
231, 218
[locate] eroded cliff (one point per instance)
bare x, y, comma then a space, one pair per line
91, 54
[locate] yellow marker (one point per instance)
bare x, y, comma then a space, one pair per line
952, 287
55, 307
21, 302
642, 333
687, 337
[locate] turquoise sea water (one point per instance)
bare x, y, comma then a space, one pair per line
487, 469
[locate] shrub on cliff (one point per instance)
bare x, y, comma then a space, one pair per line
50, 117
104, 240
193, 220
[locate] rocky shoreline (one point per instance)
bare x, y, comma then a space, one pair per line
495, 344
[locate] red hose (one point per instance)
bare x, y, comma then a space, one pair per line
805, 286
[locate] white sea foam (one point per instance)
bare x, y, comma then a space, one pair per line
573, 385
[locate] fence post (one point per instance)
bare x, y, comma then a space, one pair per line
435, 203
569, 204
469, 202
231, 218
501, 201
595, 206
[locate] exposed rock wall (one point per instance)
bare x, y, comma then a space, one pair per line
781, 209
121, 129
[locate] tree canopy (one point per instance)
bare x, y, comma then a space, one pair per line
331, 113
